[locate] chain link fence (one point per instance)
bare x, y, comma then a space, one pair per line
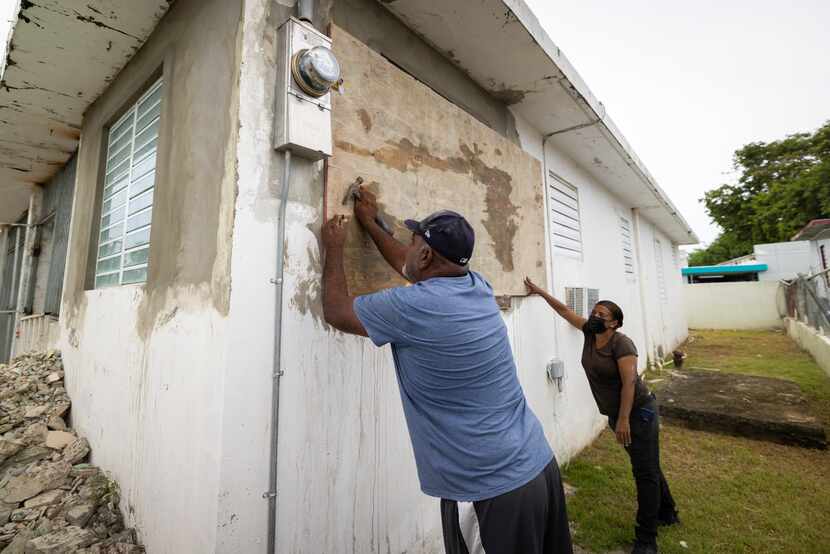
805, 299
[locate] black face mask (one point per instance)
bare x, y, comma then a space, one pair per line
596, 325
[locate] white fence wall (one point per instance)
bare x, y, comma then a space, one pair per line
810, 340
742, 305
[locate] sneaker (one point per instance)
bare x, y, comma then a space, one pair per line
644, 548
669, 520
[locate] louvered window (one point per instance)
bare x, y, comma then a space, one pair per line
661, 273
627, 248
129, 181
565, 223
581, 300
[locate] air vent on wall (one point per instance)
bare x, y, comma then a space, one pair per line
581, 300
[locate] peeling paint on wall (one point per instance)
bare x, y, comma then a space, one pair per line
61, 56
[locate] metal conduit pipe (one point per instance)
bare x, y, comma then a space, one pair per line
305, 10
545, 178
277, 371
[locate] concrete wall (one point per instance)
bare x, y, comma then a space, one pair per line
146, 363
785, 259
742, 305
812, 341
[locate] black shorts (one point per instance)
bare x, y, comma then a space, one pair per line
529, 520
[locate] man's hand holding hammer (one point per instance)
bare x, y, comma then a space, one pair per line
366, 213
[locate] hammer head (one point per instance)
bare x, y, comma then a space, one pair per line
353, 191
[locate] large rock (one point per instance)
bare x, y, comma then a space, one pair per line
35, 411
59, 439
63, 541
77, 451
35, 434
34, 481
9, 447
79, 514
47, 498
56, 423
84, 471
18, 545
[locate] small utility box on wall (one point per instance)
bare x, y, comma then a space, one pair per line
306, 71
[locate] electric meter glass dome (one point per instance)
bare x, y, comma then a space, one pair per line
316, 70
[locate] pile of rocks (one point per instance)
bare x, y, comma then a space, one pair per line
50, 501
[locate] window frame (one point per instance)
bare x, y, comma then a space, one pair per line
660, 267
151, 118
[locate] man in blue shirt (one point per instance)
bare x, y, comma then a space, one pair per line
477, 444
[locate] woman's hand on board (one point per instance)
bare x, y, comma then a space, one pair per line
532, 288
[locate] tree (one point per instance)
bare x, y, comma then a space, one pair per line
782, 186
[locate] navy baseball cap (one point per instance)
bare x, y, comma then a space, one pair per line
448, 233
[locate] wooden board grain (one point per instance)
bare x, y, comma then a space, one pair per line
420, 153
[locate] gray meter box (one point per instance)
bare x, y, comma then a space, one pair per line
302, 123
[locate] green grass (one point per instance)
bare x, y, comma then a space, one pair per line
735, 495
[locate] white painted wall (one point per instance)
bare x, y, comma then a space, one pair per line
740, 305
151, 411
812, 341
785, 259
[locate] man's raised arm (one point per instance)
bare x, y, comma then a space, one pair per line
338, 304
392, 250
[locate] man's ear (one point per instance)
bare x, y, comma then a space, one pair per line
425, 257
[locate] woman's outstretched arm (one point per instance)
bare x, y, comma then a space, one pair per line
568, 314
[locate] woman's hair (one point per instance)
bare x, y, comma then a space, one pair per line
616, 311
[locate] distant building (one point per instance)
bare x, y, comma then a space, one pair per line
768, 262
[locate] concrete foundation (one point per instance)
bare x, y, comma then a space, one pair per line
757, 407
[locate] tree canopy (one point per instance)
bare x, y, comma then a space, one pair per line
783, 185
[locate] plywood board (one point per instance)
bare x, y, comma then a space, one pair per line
421, 153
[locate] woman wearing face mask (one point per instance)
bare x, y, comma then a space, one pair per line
610, 362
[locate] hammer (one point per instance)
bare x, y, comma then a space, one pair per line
354, 192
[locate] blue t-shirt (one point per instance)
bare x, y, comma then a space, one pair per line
473, 434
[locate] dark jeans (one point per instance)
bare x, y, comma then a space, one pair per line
654, 499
